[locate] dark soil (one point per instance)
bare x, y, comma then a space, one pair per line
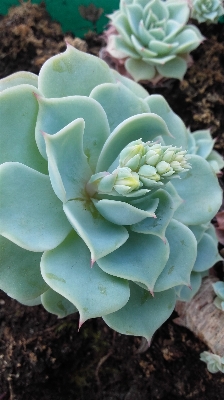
45, 358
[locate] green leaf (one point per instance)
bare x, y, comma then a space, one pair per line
19, 78
142, 258
101, 236
121, 213
143, 126
200, 190
20, 275
187, 293
55, 114
178, 12
68, 167
30, 213
18, 112
175, 68
164, 214
143, 314
56, 304
65, 75
207, 254
137, 89
183, 253
93, 292
118, 102
140, 70
198, 230
159, 106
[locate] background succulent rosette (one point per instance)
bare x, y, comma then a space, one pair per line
60, 130
207, 11
151, 39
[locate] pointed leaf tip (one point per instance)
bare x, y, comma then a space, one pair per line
92, 262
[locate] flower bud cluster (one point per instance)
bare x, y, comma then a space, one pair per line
141, 164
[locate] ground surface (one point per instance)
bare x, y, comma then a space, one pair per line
43, 358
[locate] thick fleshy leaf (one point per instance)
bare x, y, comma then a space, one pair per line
20, 275
178, 11
94, 293
189, 39
31, 215
183, 253
143, 314
18, 78
101, 236
164, 213
211, 231
159, 106
134, 14
18, 112
198, 230
187, 293
123, 47
55, 114
120, 22
200, 190
63, 75
68, 167
175, 68
56, 304
118, 102
204, 147
142, 258
121, 213
176, 199
219, 289
207, 254
142, 126
140, 70
137, 89
216, 161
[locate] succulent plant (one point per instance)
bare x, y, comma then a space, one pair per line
207, 11
89, 177
151, 38
219, 291
201, 143
214, 362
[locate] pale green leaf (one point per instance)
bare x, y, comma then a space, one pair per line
55, 114
18, 113
200, 190
118, 102
20, 275
93, 292
101, 236
142, 258
183, 253
68, 167
30, 213
56, 304
143, 314
65, 75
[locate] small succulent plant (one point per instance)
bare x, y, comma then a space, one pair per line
207, 11
90, 176
219, 291
151, 38
214, 362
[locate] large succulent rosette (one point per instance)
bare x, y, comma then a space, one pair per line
93, 216
151, 38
